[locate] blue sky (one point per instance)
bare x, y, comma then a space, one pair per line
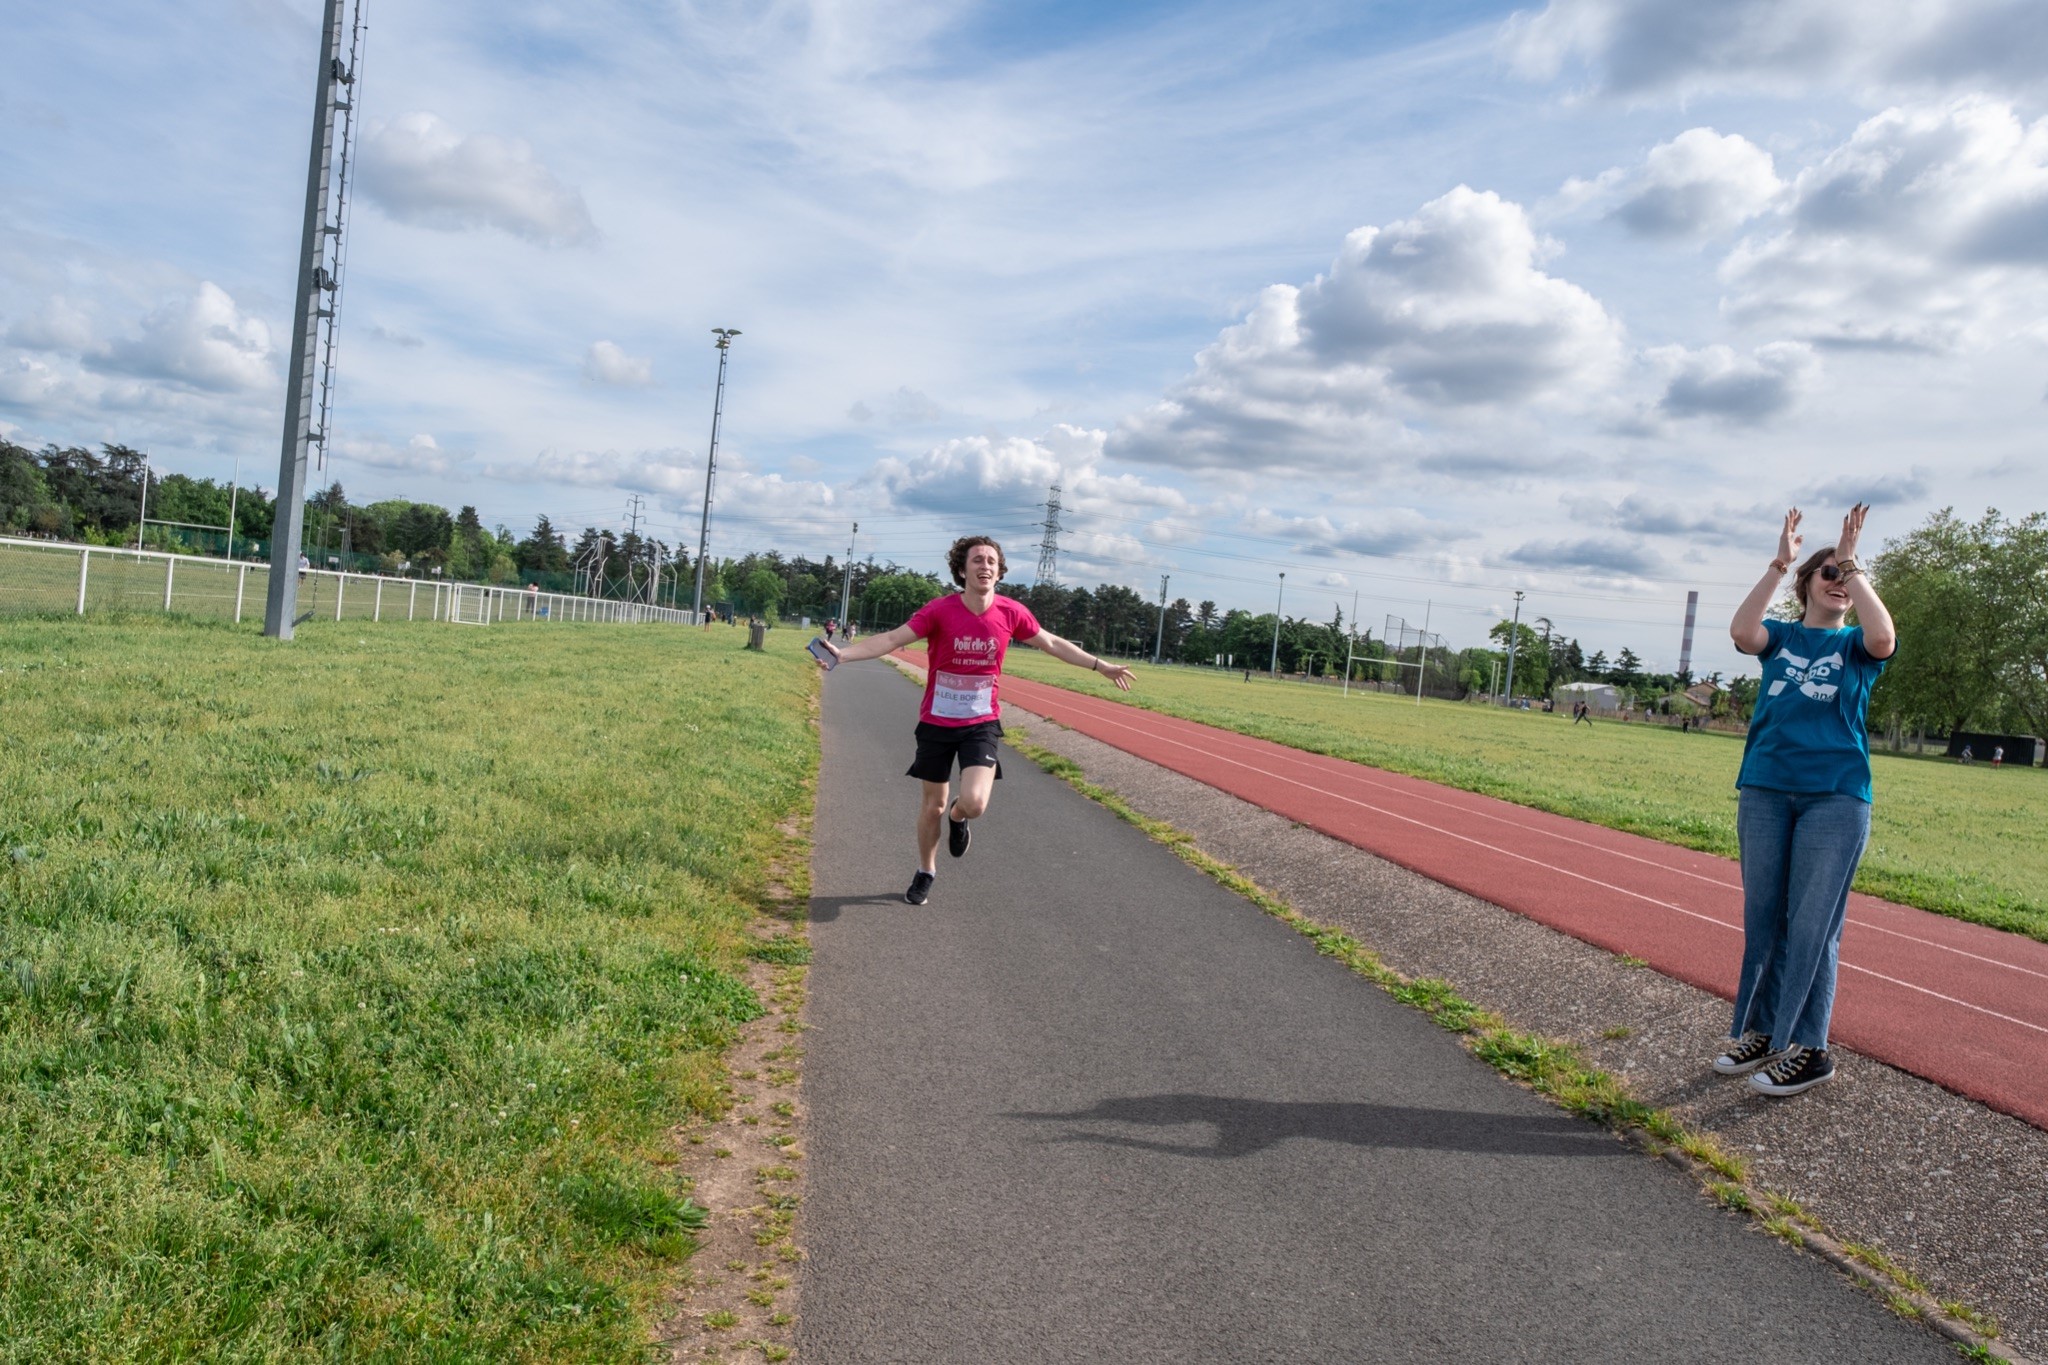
1421, 302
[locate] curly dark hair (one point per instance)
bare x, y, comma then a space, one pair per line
1802, 583
956, 558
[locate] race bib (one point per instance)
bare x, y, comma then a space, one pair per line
963, 696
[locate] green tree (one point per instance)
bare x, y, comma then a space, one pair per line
1532, 662
1628, 669
891, 599
761, 592
1970, 600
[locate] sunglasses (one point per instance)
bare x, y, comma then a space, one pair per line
1831, 573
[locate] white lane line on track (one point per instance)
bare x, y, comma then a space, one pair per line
1308, 762
1563, 871
1344, 768
1951, 999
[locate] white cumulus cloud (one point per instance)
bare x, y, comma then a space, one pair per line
1676, 48
421, 454
1716, 382
1698, 184
606, 363
1926, 230
202, 340
1447, 310
421, 171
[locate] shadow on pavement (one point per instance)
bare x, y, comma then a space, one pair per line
827, 908
1244, 1126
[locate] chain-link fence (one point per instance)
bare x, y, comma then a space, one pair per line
53, 576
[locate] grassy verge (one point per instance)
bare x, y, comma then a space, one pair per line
349, 989
1959, 841
1559, 1071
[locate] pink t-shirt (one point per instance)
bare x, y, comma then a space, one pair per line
964, 656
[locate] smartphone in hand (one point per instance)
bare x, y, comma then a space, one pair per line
822, 653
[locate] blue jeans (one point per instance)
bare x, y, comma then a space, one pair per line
1799, 854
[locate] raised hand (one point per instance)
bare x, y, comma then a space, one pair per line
1852, 531
1789, 539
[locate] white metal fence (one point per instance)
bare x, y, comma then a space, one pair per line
42, 576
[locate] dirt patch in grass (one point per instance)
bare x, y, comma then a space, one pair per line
745, 1169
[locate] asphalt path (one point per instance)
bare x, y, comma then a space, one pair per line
1959, 1004
1088, 1105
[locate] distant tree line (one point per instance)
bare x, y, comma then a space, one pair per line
1970, 598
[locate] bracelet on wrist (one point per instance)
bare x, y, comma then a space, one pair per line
1779, 566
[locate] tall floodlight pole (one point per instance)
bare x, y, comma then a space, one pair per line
1273, 667
1514, 637
281, 603
142, 512
1159, 640
724, 343
846, 584
1422, 659
234, 490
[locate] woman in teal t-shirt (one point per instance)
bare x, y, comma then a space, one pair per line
1804, 813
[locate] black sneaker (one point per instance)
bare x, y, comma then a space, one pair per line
920, 887
1753, 1051
1801, 1068
958, 836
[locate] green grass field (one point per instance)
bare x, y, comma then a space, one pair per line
350, 988
1963, 841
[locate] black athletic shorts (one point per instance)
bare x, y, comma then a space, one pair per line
975, 746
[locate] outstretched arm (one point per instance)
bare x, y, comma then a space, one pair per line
875, 646
1880, 636
1747, 629
1066, 651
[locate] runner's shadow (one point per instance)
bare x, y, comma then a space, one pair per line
827, 908
1243, 1126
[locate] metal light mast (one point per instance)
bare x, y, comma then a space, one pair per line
846, 584
1514, 638
315, 281
1159, 640
724, 343
1273, 666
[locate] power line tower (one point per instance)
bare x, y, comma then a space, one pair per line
321, 258
1049, 547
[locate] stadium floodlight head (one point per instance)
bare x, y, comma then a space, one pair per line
724, 335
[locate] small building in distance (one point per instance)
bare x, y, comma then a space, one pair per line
1702, 694
1601, 697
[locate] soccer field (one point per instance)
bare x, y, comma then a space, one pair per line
350, 988
1963, 841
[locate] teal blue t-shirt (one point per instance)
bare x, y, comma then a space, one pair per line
1807, 732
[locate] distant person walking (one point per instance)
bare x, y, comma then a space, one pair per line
966, 635
1998, 755
1804, 813
1582, 711
831, 628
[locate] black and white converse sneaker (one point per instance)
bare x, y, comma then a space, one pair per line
920, 887
1752, 1051
1801, 1068
957, 834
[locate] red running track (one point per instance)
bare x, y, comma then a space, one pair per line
1959, 1004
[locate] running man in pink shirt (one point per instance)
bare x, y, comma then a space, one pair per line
966, 635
